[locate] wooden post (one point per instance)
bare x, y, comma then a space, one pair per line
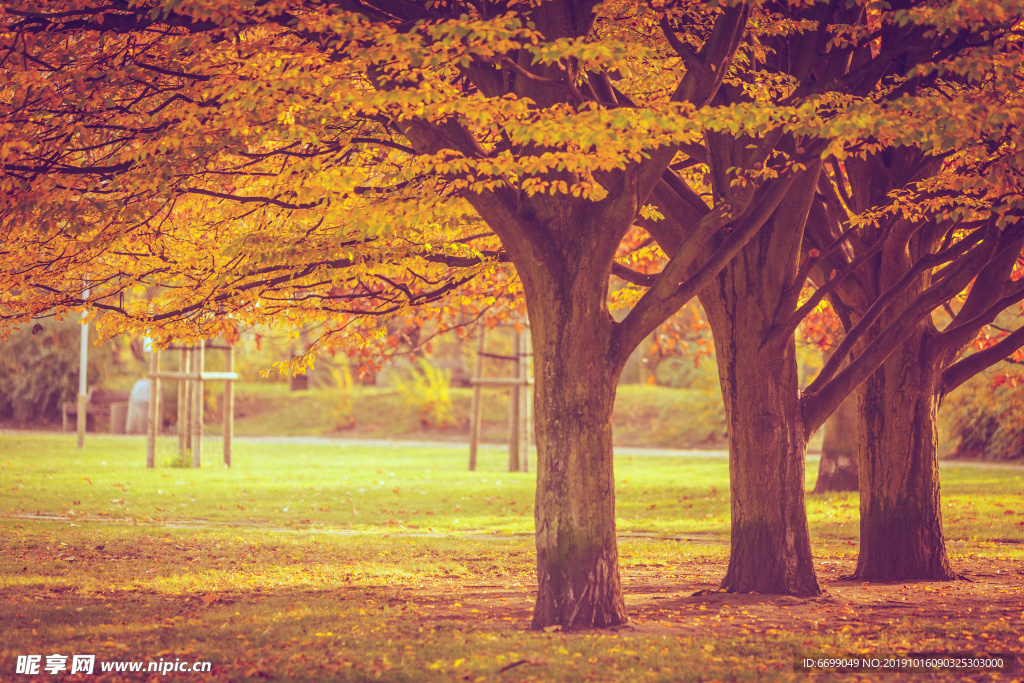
158, 411
475, 406
154, 368
530, 429
513, 407
229, 407
183, 411
190, 393
522, 371
197, 404
519, 408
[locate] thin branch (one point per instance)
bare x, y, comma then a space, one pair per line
961, 371
633, 276
688, 56
963, 331
383, 143
577, 96
178, 74
250, 200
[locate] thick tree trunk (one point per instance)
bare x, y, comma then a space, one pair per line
901, 534
771, 549
577, 554
748, 308
840, 447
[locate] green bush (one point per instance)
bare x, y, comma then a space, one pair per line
343, 405
39, 369
699, 373
427, 389
669, 418
984, 418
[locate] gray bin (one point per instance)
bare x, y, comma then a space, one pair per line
118, 417
138, 409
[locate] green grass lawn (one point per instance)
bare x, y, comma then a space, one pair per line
330, 562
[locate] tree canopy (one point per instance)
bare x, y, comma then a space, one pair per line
171, 134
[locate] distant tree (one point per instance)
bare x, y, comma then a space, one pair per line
840, 448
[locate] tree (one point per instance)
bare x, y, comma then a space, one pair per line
975, 238
347, 162
941, 224
840, 447
36, 366
888, 67
293, 161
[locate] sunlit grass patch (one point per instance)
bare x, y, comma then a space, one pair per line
316, 562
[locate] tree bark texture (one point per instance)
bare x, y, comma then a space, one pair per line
771, 550
900, 513
577, 554
841, 447
901, 535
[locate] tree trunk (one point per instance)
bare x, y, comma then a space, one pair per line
577, 553
771, 549
901, 534
840, 447
748, 306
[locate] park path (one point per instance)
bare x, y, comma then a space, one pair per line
627, 451
395, 443
619, 450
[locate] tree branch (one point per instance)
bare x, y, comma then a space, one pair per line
633, 276
670, 291
251, 200
882, 303
964, 369
828, 390
792, 295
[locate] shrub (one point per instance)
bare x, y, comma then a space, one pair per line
669, 418
984, 418
426, 389
39, 369
342, 405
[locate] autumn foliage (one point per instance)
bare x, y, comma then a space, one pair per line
202, 166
